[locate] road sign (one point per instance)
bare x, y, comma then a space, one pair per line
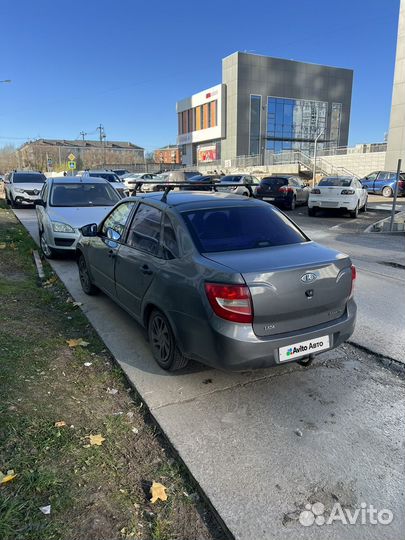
71, 157
49, 161
72, 164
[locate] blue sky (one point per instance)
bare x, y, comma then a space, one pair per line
125, 63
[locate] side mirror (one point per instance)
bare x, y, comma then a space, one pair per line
39, 202
113, 235
89, 230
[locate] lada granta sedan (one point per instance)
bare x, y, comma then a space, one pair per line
223, 279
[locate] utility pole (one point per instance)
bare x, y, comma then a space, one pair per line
83, 134
100, 128
315, 151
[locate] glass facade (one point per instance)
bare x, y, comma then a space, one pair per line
254, 131
293, 124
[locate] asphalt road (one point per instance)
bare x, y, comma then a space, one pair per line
264, 444
380, 285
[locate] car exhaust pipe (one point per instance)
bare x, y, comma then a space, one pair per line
306, 361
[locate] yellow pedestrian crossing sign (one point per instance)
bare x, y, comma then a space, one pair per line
71, 157
71, 164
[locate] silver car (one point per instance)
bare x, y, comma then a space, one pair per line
219, 278
23, 187
238, 179
65, 204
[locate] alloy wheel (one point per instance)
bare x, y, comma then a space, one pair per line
161, 339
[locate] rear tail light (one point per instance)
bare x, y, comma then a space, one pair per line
347, 192
316, 191
354, 275
230, 302
285, 189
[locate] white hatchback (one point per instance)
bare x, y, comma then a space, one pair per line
338, 192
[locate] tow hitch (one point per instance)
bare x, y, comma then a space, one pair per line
307, 361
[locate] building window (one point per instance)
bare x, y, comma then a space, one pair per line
254, 137
293, 124
335, 120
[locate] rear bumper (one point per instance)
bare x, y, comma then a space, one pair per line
346, 204
236, 347
284, 199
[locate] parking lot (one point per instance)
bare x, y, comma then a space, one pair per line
264, 444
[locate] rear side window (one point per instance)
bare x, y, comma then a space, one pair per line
170, 246
240, 227
144, 232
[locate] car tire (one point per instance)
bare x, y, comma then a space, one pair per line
13, 204
387, 192
48, 252
354, 213
311, 212
364, 207
85, 280
163, 343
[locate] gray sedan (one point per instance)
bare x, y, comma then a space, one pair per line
219, 278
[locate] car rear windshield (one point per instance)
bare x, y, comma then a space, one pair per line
190, 174
81, 194
339, 182
240, 227
275, 182
29, 178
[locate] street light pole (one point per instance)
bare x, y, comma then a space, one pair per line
315, 151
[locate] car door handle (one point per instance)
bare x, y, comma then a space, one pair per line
146, 270
111, 253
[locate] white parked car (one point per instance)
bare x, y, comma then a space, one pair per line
343, 192
238, 179
131, 179
67, 203
23, 187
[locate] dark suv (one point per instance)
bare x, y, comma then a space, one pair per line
288, 191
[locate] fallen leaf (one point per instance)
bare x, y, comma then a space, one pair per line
88, 364
45, 509
77, 304
112, 391
5, 478
96, 440
62, 423
158, 491
135, 430
2, 246
77, 342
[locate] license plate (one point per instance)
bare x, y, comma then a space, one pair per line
268, 198
303, 348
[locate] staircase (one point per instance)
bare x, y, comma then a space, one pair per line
306, 163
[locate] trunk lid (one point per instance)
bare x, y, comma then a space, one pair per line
272, 187
292, 287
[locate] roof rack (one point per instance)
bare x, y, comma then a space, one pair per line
169, 186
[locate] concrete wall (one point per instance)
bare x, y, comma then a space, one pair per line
396, 134
358, 164
245, 74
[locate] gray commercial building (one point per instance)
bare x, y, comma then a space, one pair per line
396, 134
265, 103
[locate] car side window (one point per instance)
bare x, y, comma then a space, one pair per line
372, 176
144, 232
170, 245
117, 219
44, 192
